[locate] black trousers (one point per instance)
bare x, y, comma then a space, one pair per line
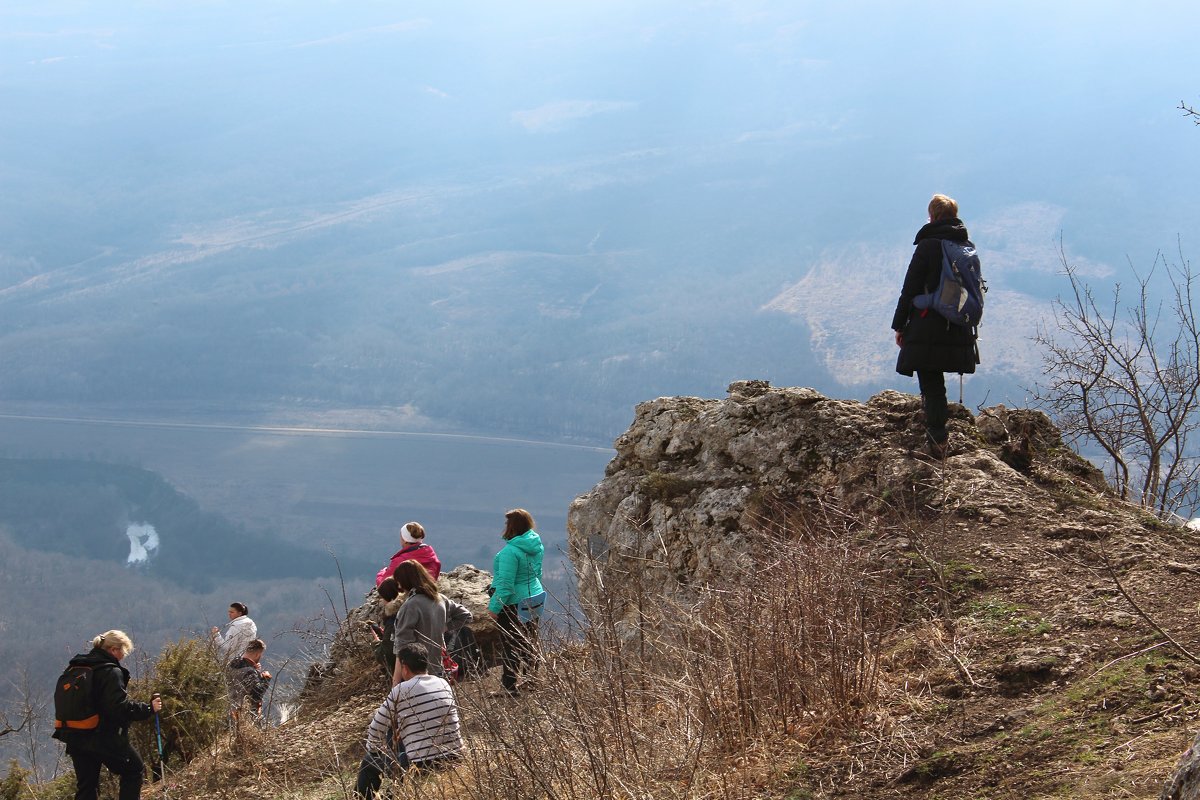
518, 641
120, 758
933, 394
375, 764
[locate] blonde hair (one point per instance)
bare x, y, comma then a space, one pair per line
118, 639
942, 207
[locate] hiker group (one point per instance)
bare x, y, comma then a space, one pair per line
421, 632
419, 628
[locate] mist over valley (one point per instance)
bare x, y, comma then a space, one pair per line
278, 278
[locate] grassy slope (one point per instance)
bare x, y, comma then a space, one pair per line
1014, 667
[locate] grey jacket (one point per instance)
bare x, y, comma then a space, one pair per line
427, 622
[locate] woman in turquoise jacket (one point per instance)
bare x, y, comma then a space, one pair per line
517, 595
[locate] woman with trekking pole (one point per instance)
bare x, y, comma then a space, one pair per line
93, 713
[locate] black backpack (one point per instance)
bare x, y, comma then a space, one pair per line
75, 699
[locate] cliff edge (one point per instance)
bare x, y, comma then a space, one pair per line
1039, 631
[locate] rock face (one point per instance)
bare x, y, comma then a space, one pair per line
1012, 550
694, 478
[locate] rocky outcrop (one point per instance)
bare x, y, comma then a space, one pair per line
694, 479
1012, 550
351, 654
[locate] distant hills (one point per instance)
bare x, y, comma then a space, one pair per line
384, 306
82, 510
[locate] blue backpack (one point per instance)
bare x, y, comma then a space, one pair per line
959, 293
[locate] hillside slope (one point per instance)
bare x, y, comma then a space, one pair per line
1015, 663
1010, 623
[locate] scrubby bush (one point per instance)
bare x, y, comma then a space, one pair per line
670, 697
13, 787
195, 702
19, 784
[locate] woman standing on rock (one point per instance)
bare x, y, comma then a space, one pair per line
929, 344
517, 595
412, 546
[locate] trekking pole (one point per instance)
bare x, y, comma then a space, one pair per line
162, 767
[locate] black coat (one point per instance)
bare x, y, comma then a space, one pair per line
109, 680
929, 341
246, 681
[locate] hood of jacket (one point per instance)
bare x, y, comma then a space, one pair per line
528, 543
98, 658
951, 229
392, 606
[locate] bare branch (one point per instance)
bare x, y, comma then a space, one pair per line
1125, 377
1112, 573
1189, 111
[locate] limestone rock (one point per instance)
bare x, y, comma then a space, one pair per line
694, 479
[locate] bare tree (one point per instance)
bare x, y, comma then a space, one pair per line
1127, 377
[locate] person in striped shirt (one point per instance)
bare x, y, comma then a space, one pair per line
416, 726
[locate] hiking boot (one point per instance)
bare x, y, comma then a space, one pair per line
937, 449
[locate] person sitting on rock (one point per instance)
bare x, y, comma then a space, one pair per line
248, 681
412, 546
416, 726
389, 603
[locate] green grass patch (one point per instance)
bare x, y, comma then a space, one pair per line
1008, 618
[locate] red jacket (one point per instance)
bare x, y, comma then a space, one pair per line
422, 553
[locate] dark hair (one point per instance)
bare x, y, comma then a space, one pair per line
387, 589
516, 522
411, 576
256, 646
240, 608
414, 656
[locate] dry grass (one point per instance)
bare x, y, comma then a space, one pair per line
639, 697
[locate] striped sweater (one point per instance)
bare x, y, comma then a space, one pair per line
422, 709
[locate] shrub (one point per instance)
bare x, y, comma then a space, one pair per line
195, 702
14, 782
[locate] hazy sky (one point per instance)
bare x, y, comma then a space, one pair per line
782, 140
254, 104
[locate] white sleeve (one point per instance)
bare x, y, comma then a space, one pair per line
384, 721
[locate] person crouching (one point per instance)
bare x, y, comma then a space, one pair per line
416, 726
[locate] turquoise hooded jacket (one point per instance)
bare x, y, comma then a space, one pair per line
517, 571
